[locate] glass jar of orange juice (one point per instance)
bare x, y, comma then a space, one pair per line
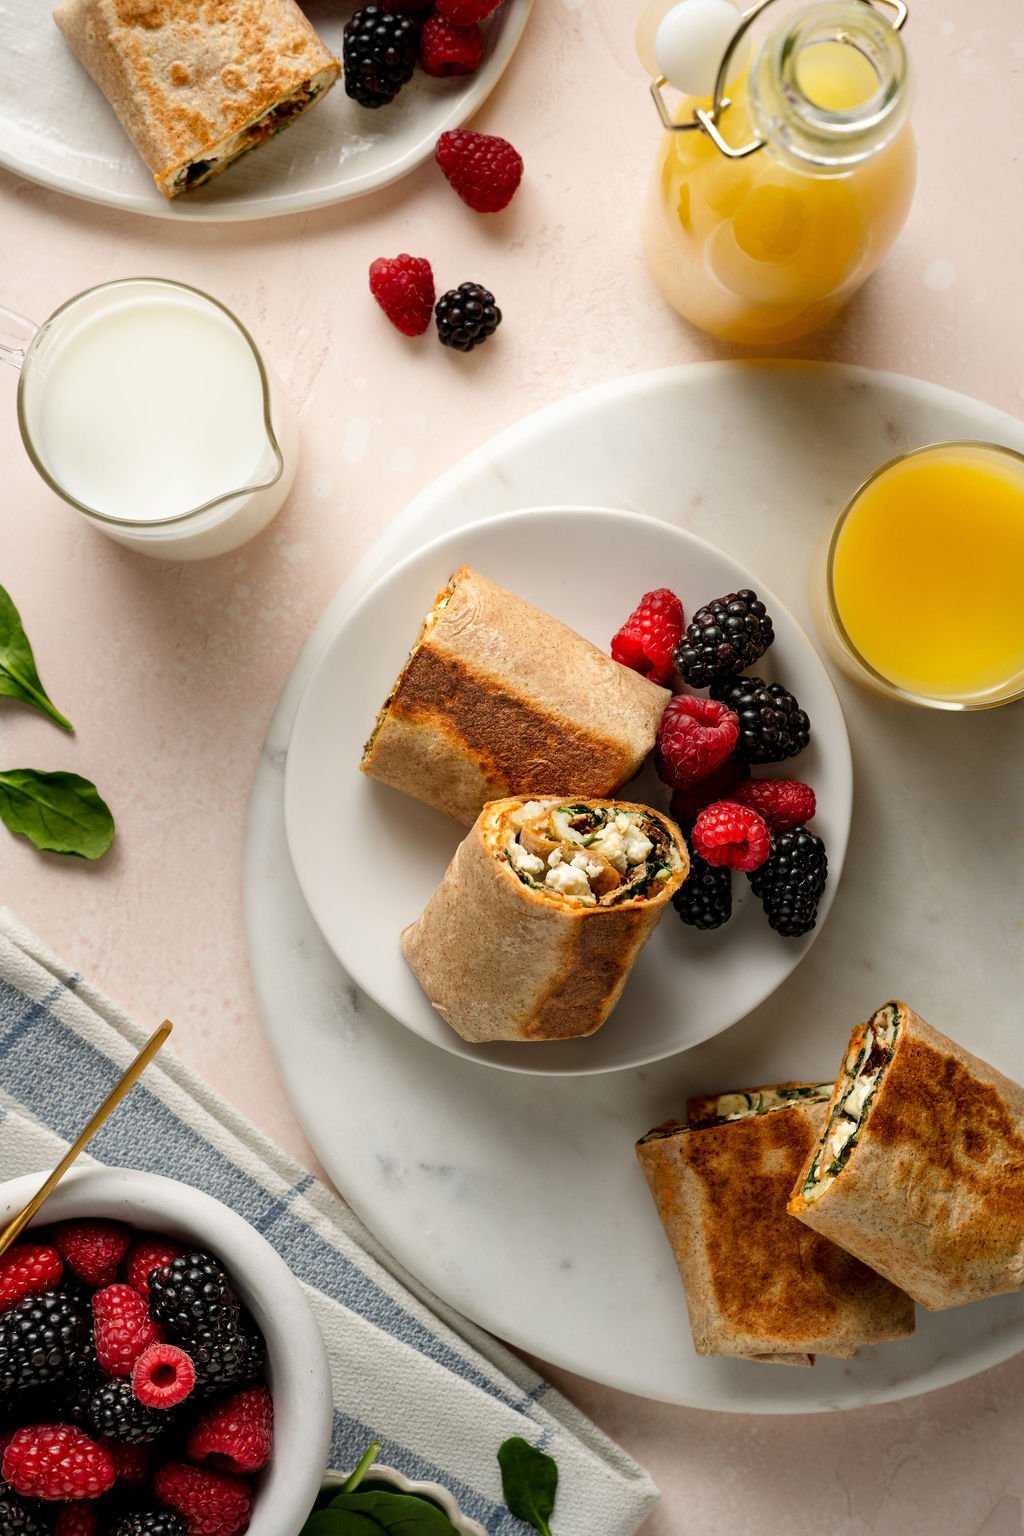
770, 205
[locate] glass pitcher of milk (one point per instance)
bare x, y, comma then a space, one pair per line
146, 405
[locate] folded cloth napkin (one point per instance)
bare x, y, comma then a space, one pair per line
438, 1393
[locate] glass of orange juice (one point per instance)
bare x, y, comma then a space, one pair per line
924, 578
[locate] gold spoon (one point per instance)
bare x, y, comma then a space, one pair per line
15, 1228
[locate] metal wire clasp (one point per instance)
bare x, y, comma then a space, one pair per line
707, 118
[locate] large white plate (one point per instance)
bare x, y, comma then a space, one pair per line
56, 127
369, 858
518, 1199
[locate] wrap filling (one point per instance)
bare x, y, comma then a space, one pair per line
863, 1070
594, 855
253, 134
727, 1107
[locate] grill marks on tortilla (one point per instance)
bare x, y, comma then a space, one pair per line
596, 966
512, 741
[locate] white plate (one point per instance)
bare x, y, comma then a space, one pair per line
519, 1199
587, 567
57, 128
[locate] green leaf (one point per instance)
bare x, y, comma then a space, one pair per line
398, 1514
529, 1480
18, 676
329, 1522
57, 812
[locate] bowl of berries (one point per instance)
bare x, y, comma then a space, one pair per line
161, 1372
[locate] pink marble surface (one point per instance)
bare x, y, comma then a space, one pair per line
171, 672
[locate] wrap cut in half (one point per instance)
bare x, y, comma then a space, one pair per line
197, 83
758, 1285
498, 698
543, 911
919, 1169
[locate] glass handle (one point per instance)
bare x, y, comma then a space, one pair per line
16, 335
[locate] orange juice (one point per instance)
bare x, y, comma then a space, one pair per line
927, 570
766, 248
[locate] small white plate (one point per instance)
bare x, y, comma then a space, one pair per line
368, 857
57, 128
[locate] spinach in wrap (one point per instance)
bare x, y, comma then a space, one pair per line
498, 698
543, 911
919, 1168
197, 83
758, 1286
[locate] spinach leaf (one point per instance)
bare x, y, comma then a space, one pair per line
18, 676
397, 1514
529, 1480
329, 1522
57, 812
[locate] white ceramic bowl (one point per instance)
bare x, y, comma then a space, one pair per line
297, 1367
442, 1497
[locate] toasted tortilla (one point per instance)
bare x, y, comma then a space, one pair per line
929, 1187
756, 1288
197, 83
498, 698
503, 957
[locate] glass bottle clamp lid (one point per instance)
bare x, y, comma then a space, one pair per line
707, 119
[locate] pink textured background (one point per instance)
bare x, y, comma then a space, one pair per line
171, 672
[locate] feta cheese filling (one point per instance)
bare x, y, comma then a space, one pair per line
862, 1072
728, 1107
595, 855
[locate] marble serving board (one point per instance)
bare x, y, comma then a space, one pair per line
518, 1199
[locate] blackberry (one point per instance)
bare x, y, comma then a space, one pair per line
17, 1518
42, 1339
191, 1298
772, 724
723, 638
790, 882
150, 1522
379, 54
116, 1413
466, 316
704, 900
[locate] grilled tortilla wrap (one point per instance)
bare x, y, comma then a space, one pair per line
196, 83
544, 908
756, 1288
498, 698
919, 1170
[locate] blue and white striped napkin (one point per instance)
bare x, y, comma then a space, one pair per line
437, 1392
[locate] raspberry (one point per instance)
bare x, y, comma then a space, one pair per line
145, 1255
122, 1328
163, 1376
784, 803
704, 900
56, 1461
772, 724
448, 50
115, 1413
132, 1463
18, 1519
790, 884
93, 1249
150, 1522
466, 316
724, 637
210, 1503
723, 784
42, 1340
77, 1520
695, 736
462, 13
236, 1435
483, 169
417, 8
25, 1270
731, 834
379, 54
650, 635
404, 288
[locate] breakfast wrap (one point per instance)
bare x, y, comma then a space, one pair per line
758, 1285
919, 1167
498, 698
544, 908
196, 83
